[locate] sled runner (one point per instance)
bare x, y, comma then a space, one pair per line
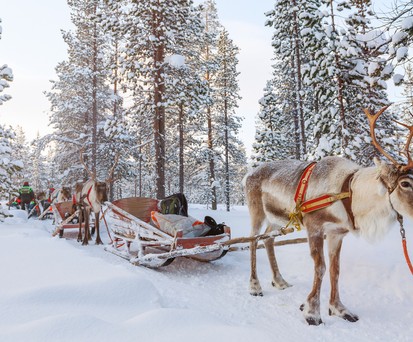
142, 243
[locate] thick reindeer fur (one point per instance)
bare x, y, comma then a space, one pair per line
377, 193
61, 195
89, 197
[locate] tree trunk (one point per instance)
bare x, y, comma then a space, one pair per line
296, 121
227, 184
159, 91
94, 97
181, 148
340, 85
300, 105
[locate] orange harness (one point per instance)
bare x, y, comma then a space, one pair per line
302, 206
315, 203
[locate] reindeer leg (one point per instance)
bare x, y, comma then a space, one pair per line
255, 287
277, 279
98, 239
311, 308
336, 307
257, 218
79, 235
86, 237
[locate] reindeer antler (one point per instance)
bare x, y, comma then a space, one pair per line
92, 176
112, 169
372, 121
405, 150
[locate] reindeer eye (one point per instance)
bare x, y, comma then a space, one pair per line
405, 184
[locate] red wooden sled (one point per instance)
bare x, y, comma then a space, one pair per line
141, 243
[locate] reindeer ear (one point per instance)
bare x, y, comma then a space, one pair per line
388, 173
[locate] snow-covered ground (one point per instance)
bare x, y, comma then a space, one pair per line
54, 289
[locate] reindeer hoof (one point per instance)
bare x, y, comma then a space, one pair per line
314, 321
350, 317
281, 285
302, 307
255, 288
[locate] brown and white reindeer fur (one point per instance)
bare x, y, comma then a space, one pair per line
378, 194
61, 195
90, 196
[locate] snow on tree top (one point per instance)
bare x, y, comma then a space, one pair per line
177, 61
407, 23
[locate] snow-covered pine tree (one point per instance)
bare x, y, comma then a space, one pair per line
399, 24
274, 137
208, 153
21, 151
186, 92
287, 43
6, 75
227, 123
38, 173
153, 31
81, 96
9, 165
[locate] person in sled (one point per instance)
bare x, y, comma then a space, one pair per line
26, 195
15, 203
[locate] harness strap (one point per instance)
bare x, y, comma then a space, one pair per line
87, 196
318, 202
347, 201
322, 202
303, 184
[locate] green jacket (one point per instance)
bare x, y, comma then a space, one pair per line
26, 194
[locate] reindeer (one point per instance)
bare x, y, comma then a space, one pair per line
89, 196
61, 195
366, 201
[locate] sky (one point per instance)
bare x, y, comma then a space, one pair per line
32, 46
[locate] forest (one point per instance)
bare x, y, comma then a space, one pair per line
154, 85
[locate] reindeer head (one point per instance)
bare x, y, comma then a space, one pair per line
101, 192
396, 177
66, 192
99, 188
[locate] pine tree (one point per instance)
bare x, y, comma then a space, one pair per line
9, 166
153, 33
227, 96
81, 96
6, 75
287, 43
208, 153
399, 24
274, 129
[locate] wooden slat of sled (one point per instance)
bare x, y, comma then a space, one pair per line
140, 207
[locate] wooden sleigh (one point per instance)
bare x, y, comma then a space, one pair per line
65, 218
137, 241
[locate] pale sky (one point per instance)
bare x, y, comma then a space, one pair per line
32, 46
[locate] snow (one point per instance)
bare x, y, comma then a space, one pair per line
397, 79
177, 61
57, 290
402, 53
407, 23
